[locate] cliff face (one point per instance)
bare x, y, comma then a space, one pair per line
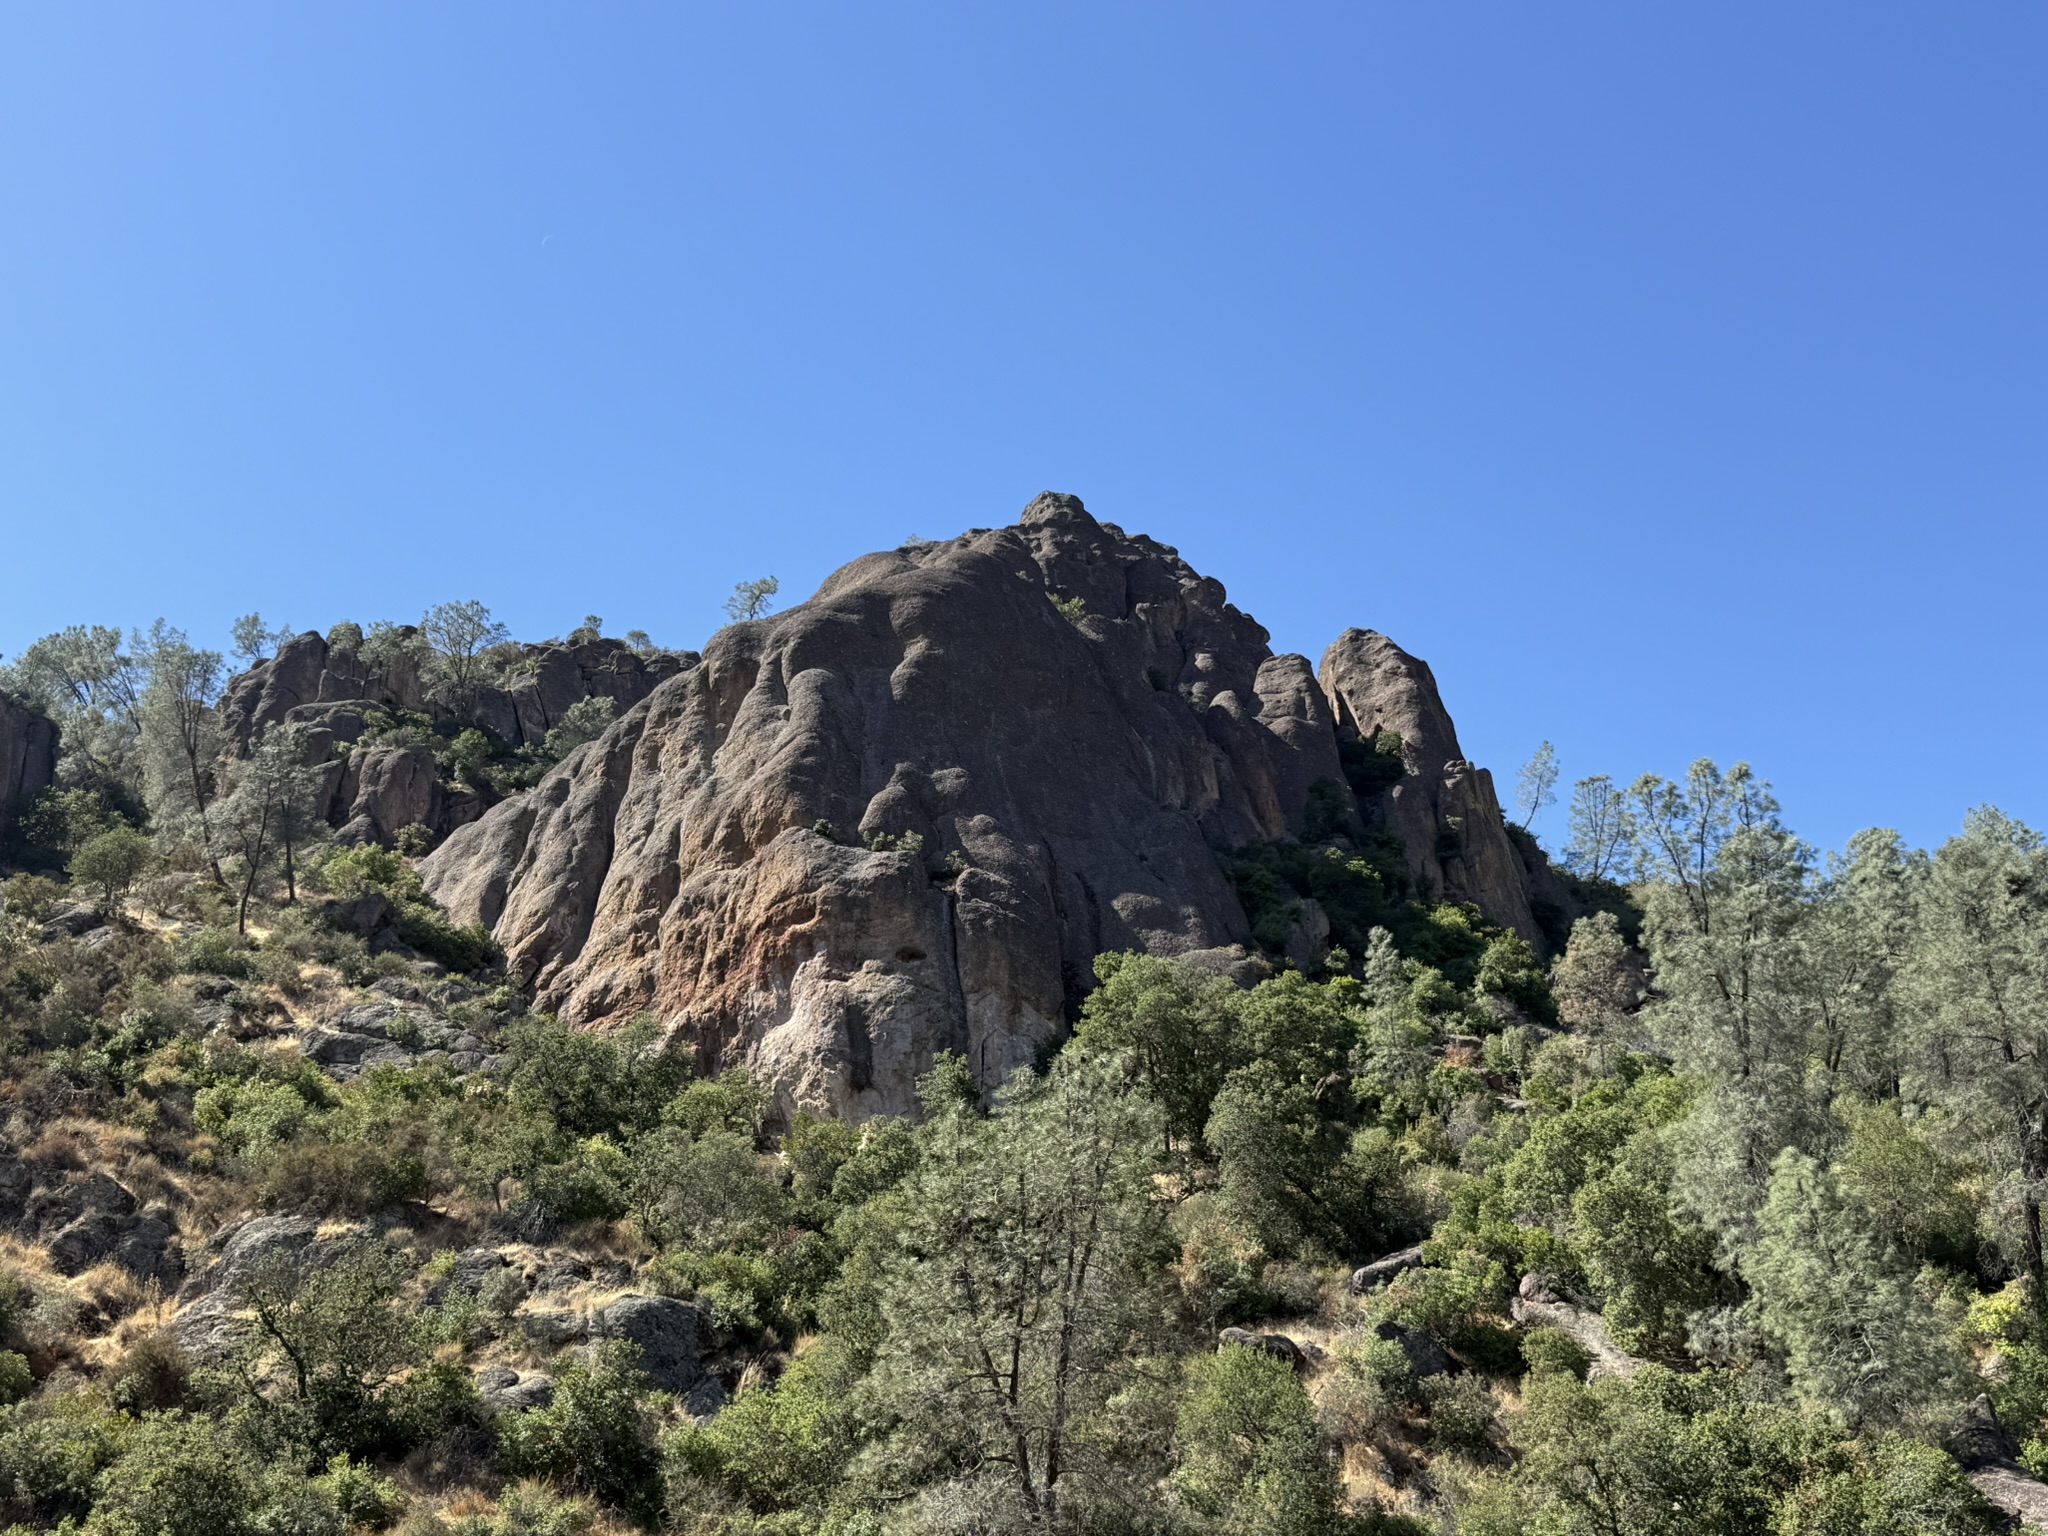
28, 757
372, 794
905, 816
1445, 810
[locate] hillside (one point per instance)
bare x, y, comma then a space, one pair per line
989, 1048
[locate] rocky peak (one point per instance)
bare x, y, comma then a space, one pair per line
1445, 810
904, 816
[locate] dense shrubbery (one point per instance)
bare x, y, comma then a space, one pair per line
1777, 1124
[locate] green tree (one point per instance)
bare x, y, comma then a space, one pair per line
1015, 1285
458, 636
1978, 976
112, 861
255, 640
270, 811
1602, 833
585, 720
1598, 989
1175, 1025
1536, 783
330, 1342
180, 732
85, 680
1250, 1459
177, 1475
1860, 1342
595, 1435
751, 599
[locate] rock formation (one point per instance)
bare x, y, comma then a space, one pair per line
28, 758
333, 691
905, 816
1445, 810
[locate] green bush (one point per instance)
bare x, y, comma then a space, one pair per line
177, 1476
1375, 766
1552, 1349
340, 1178
112, 860
16, 1380
214, 952
594, 1436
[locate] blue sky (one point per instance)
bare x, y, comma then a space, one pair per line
1673, 379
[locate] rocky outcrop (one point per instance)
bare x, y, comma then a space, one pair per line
328, 687
374, 791
28, 758
907, 815
1445, 809
83, 1219
1380, 1271
1533, 1305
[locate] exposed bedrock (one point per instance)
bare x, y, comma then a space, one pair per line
905, 816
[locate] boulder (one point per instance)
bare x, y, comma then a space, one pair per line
1426, 1357
1381, 1270
671, 1334
504, 1390
83, 1219
1533, 1305
71, 920
234, 1254
1278, 1345
383, 790
364, 916
28, 758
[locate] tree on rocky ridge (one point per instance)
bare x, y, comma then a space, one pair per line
458, 635
180, 733
749, 599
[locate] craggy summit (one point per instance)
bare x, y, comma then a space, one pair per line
905, 816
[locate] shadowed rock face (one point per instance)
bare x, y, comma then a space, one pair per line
1445, 811
28, 757
905, 816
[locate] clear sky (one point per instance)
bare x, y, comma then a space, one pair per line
1671, 378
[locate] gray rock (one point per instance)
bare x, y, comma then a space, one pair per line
560, 1272
504, 1390
1426, 1357
1278, 1345
28, 757
72, 919
702, 1401
88, 1219
1069, 780
236, 1253
671, 1334
365, 916
1533, 1305
555, 1329
1381, 1270
1445, 809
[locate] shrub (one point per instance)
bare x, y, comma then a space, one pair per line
1461, 1412
16, 1381
176, 1476
340, 1178
1250, 1455
111, 861
585, 720
214, 952
1552, 1349
594, 1436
